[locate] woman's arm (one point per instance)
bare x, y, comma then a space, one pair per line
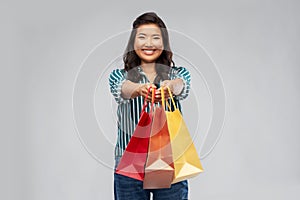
116, 80
183, 74
175, 85
179, 84
131, 90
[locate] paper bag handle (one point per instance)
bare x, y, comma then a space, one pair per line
163, 100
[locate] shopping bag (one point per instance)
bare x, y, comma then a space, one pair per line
185, 157
132, 162
159, 168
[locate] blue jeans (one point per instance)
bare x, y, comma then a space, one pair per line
126, 188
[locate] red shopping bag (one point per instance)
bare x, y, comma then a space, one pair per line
159, 168
132, 163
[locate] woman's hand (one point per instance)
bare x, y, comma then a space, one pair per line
158, 94
142, 90
132, 90
175, 86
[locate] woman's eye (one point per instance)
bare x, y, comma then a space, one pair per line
156, 38
141, 37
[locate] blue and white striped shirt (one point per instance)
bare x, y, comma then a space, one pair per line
128, 111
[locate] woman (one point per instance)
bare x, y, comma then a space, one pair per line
147, 63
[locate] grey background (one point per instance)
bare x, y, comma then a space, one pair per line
255, 45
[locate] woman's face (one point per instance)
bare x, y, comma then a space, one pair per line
148, 43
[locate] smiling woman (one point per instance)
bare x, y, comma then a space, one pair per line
147, 62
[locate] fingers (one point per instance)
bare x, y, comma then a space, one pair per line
158, 92
168, 84
150, 86
146, 91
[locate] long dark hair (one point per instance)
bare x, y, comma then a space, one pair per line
131, 59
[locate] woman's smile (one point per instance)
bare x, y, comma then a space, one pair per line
149, 51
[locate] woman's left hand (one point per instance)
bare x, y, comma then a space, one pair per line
165, 84
175, 85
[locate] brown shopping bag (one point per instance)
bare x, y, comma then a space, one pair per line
159, 168
185, 157
132, 163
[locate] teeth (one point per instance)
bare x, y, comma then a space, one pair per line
149, 51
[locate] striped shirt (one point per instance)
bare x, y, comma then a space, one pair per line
128, 110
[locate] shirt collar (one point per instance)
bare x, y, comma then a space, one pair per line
140, 69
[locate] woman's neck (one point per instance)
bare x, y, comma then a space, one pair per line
148, 68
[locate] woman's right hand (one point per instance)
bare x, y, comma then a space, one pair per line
142, 90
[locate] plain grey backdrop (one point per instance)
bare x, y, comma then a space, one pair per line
255, 45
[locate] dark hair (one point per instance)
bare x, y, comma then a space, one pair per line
131, 59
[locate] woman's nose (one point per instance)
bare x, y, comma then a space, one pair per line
148, 43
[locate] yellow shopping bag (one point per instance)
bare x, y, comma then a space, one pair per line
185, 157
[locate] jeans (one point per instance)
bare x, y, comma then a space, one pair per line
126, 188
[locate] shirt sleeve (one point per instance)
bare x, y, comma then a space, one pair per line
116, 79
184, 74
